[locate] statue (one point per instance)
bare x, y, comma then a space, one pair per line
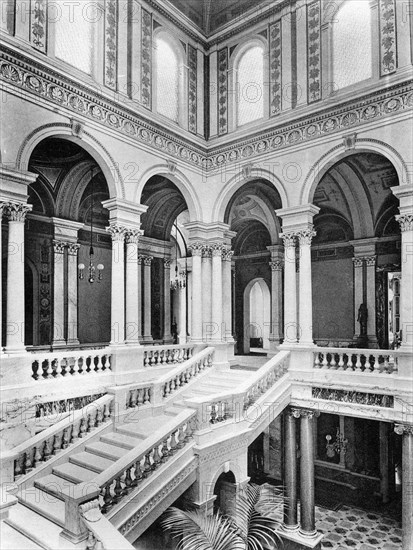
362, 319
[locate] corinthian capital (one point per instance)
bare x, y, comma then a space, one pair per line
227, 254
289, 239
196, 248
132, 235
276, 265
16, 211
306, 236
117, 232
403, 429
405, 221
217, 249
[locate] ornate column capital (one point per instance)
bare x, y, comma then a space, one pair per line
405, 221
17, 211
297, 412
59, 246
117, 232
167, 263
227, 254
289, 239
206, 252
147, 260
403, 429
370, 261
132, 235
196, 248
276, 265
305, 236
73, 249
216, 249
358, 262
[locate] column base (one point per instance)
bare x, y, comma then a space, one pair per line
290, 528
147, 339
295, 540
135, 343
15, 350
73, 342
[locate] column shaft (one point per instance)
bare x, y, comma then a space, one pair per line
182, 316
216, 292
307, 515
305, 291
132, 281
167, 337
59, 293
371, 299
196, 331
147, 299
276, 303
72, 302
2, 205
290, 473
406, 295
358, 293
406, 431
227, 295
290, 290
140, 301
118, 284
206, 277
15, 278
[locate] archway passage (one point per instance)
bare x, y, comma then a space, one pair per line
251, 214
356, 246
66, 196
257, 315
164, 304
225, 492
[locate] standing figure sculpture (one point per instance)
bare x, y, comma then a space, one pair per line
362, 319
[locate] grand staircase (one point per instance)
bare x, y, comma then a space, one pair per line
139, 451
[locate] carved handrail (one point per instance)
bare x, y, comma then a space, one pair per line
50, 365
102, 534
168, 354
25, 457
368, 361
225, 405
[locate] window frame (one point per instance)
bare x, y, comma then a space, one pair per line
233, 104
163, 34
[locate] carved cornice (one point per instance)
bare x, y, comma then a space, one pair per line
33, 77
219, 450
355, 397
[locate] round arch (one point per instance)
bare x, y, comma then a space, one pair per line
340, 152
237, 182
230, 466
182, 183
247, 310
88, 142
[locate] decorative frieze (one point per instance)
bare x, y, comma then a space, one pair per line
222, 91
65, 405
314, 51
356, 397
111, 37
275, 68
146, 59
192, 88
388, 44
37, 80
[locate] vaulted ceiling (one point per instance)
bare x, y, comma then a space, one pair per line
210, 15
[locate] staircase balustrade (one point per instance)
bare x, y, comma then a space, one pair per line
26, 457
357, 360
167, 355
52, 365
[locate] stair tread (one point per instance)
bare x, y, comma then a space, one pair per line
120, 439
36, 527
91, 461
46, 504
74, 473
145, 426
106, 450
12, 539
53, 484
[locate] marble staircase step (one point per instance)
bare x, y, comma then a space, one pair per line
45, 504
53, 484
74, 473
13, 539
106, 450
120, 439
91, 461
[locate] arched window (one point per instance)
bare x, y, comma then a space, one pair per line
75, 33
167, 79
352, 48
250, 85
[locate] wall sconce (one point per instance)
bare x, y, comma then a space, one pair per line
338, 446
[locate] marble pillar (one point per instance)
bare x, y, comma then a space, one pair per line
290, 289
182, 329
132, 281
276, 333
371, 299
147, 299
117, 232
406, 296
72, 292
227, 295
406, 431
59, 293
16, 213
305, 328
196, 329
290, 471
2, 207
307, 485
140, 301
216, 292
358, 293
208, 329
167, 336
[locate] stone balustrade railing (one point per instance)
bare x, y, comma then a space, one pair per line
223, 406
102, 535
167, 355
51, 365
368, 361
28, 455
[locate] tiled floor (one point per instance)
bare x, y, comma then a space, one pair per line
353, 528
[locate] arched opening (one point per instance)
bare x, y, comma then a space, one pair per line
257, 316
225, 492
165, 278
61, 309
251, 214
356, 247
